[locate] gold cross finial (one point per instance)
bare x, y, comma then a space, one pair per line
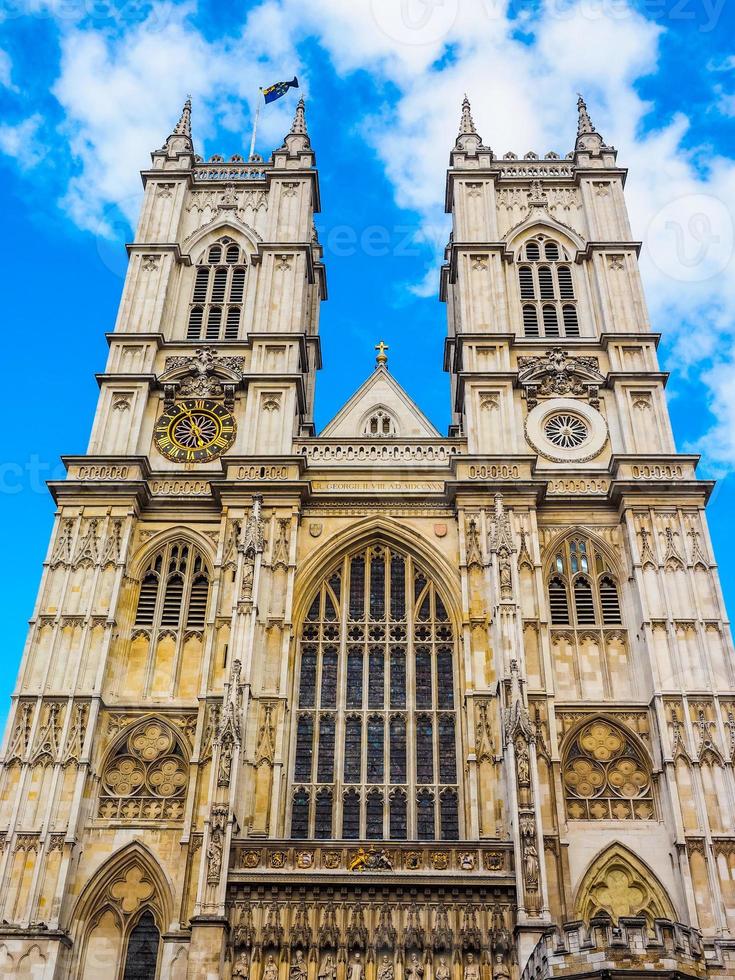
382, 357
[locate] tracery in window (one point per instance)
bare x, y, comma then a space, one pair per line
606, 776
590, 653
174, 590
146, 777
375, 745
380, 423
217, 298
580, 568
164, 655
546, 289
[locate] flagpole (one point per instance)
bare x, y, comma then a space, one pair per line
255, 125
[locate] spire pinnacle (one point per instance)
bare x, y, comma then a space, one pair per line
183, 126
467, 123
382, 357
298, 126
584, 124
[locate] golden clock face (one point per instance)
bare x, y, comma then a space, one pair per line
194, 431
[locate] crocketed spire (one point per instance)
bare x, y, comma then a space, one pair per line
179, 143
297, 139
183, 126
584, 124
467, 123
298, 126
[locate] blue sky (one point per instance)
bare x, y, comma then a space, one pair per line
88, 89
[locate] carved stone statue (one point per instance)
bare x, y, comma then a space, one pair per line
471, 968
241, 967
442, 970
298, 967
385, 969
270, 970
355, 968
328, 969
530, 866
414, 970
500, 968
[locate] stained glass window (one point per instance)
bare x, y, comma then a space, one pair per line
142, 956
375, 706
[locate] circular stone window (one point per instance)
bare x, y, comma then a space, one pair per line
566, 430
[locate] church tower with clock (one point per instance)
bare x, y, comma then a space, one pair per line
377, 703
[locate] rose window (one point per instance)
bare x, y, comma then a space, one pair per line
566, 431
146, 777
606, 776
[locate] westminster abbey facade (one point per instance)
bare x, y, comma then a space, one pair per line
377, 703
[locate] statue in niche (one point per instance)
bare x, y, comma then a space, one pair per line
328, 969
442, 971
471, 968
500, 968
298, 967
356, 969
241, 967
414, 970
270, 970
385, 968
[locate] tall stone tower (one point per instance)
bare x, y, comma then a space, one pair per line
376, 704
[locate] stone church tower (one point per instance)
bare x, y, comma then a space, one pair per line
377, 704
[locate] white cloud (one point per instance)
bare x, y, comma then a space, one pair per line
6, 72
21, 142
122, 96
122, 89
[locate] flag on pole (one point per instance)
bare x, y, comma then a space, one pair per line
275, 91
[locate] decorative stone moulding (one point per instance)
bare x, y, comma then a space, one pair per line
356, 859
547, 419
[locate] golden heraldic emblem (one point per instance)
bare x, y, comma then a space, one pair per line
194, 431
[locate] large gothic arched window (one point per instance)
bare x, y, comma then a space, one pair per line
216, 305
546, 288
375, 745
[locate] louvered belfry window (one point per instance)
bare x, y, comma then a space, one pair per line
582, 588
174, 589
375, 739
546, 289
216, 308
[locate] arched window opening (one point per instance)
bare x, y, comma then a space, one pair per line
549, 285
606, 775
610, 602
380, 424
551, 322
571, 326
196, 318
141, 961
530, 321
580, 566
546, 283
588, 635
558, 602
375, 720
525, 279
174, 589
218, 294
564, 276
584, 606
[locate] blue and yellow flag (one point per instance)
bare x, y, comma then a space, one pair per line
274, 92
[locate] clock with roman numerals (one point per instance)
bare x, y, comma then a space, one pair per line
194, 431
